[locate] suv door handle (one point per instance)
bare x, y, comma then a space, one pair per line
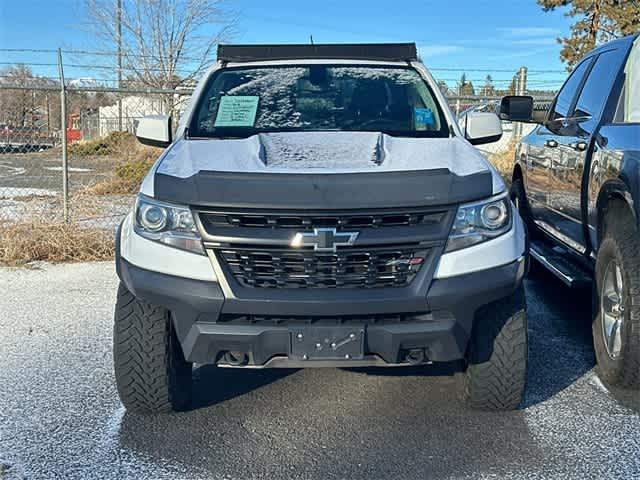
579, 146
551, 143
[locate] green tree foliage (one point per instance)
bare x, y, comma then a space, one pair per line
488, 89
442, 85
465, 87
596, 21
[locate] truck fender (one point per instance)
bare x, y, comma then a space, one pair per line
615, 189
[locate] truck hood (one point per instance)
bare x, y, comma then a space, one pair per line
313, 159
321, 152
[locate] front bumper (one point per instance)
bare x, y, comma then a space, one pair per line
208, 325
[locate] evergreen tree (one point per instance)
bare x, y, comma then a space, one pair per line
465, 88
597, 21
488, 89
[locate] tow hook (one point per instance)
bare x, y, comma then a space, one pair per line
415, 356
235, 359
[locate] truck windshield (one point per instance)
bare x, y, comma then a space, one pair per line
244, 101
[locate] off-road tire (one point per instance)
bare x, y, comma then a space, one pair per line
151, 373
497, 355
621, 241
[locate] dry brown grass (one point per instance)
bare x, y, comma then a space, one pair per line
504, 161
111, 186
134, 161
53, 242
114, 143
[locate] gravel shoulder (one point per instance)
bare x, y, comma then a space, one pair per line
60, 416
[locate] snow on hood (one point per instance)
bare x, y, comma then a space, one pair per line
324, 152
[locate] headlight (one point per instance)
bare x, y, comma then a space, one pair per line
480, 221
166, 223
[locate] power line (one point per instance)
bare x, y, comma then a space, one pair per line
156, 57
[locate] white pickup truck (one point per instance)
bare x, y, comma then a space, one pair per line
320, 206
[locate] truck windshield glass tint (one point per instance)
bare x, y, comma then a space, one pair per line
243, 101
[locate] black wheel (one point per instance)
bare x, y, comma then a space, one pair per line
497, 356
616, 325
151, 372
519, 199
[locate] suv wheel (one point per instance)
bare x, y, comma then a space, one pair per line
151, 372
497, 358
616, 326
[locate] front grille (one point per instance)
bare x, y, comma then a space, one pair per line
301, 222
349, 268
293, 321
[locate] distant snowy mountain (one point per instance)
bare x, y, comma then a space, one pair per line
84, 82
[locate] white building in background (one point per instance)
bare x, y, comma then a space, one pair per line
134, 107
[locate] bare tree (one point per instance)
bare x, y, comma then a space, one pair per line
164, 43
36, 109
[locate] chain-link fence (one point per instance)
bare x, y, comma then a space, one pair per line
67, 155
92, 184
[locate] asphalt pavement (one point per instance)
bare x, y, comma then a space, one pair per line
60, 416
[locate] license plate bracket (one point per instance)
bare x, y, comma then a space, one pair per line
328, 343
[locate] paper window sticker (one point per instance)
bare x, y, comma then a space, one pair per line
423, 118
237, 111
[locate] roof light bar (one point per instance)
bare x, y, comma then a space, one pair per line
353, 51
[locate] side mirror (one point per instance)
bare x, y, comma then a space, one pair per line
481, 127
517, 108
154, 130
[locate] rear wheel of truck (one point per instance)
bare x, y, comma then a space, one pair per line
616, 325
151, 372
497, 355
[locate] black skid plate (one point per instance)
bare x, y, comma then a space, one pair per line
328, 343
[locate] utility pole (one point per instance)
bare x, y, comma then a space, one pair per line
521, 89
63, 125
119, 69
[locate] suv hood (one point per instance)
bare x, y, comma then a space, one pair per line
322, 167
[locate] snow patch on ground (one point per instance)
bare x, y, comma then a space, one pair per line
8, 170
12, 192
70, 169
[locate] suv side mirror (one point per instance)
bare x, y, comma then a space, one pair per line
517, 108
481, 127
154, 130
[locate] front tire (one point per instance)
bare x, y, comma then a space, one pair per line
497, 356
151, 373
616, 326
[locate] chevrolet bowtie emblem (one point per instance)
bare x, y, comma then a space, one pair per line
324, 239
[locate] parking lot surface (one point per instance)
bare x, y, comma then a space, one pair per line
60, 416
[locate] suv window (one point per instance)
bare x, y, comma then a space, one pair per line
247, 100
565, 98
597, 88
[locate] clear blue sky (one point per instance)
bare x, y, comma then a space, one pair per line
478, 37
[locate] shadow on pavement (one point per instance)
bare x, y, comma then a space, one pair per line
212, 385
330, 423
386, 423
560, 341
